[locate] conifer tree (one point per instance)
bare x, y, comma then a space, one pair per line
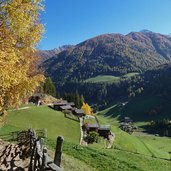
49, 87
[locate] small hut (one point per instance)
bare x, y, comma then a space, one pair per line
104, 131
78, 112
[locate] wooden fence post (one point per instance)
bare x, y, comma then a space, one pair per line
44, 159
32, 156
58, 151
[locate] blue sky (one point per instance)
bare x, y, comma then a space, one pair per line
73, 21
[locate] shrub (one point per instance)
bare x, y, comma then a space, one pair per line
92, 137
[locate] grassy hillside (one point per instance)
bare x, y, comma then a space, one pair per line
113, 159
141, 142
109, 78
43, 117
122, 157
103, 78
135, 144
138, 109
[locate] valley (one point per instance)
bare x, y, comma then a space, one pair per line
83, 87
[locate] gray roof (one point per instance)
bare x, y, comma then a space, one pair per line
71, 103
60, 103
100, 127
79, 111
92, 125
104, 127
67, 107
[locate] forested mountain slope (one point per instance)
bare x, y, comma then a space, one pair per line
110, 54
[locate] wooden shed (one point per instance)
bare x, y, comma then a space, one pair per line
104, 131
78, 112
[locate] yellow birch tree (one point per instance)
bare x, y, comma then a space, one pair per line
87, 109
20, 31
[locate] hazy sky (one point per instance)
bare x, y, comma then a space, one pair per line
73, 21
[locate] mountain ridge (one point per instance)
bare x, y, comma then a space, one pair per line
47, 54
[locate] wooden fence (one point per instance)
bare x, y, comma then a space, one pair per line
39, 157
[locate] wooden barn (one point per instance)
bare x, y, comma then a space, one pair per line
103, 130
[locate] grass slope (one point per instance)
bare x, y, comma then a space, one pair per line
112, 159
139, 142
123, 157
131, 143
43, 117
108, 78
103, 78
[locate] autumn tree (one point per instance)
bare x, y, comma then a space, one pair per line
20, 31
87, 109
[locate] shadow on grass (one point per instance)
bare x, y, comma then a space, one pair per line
51, 107
158, 131
114, 112
72, 117
68, 116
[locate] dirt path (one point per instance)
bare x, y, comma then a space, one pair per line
82, 142
111, 140
13, 157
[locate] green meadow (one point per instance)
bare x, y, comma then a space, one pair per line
129, 152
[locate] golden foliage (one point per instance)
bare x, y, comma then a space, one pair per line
87, 109
20, 31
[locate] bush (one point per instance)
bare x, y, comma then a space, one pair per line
92, 137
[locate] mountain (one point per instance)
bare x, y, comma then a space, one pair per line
109, 54
47, 54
